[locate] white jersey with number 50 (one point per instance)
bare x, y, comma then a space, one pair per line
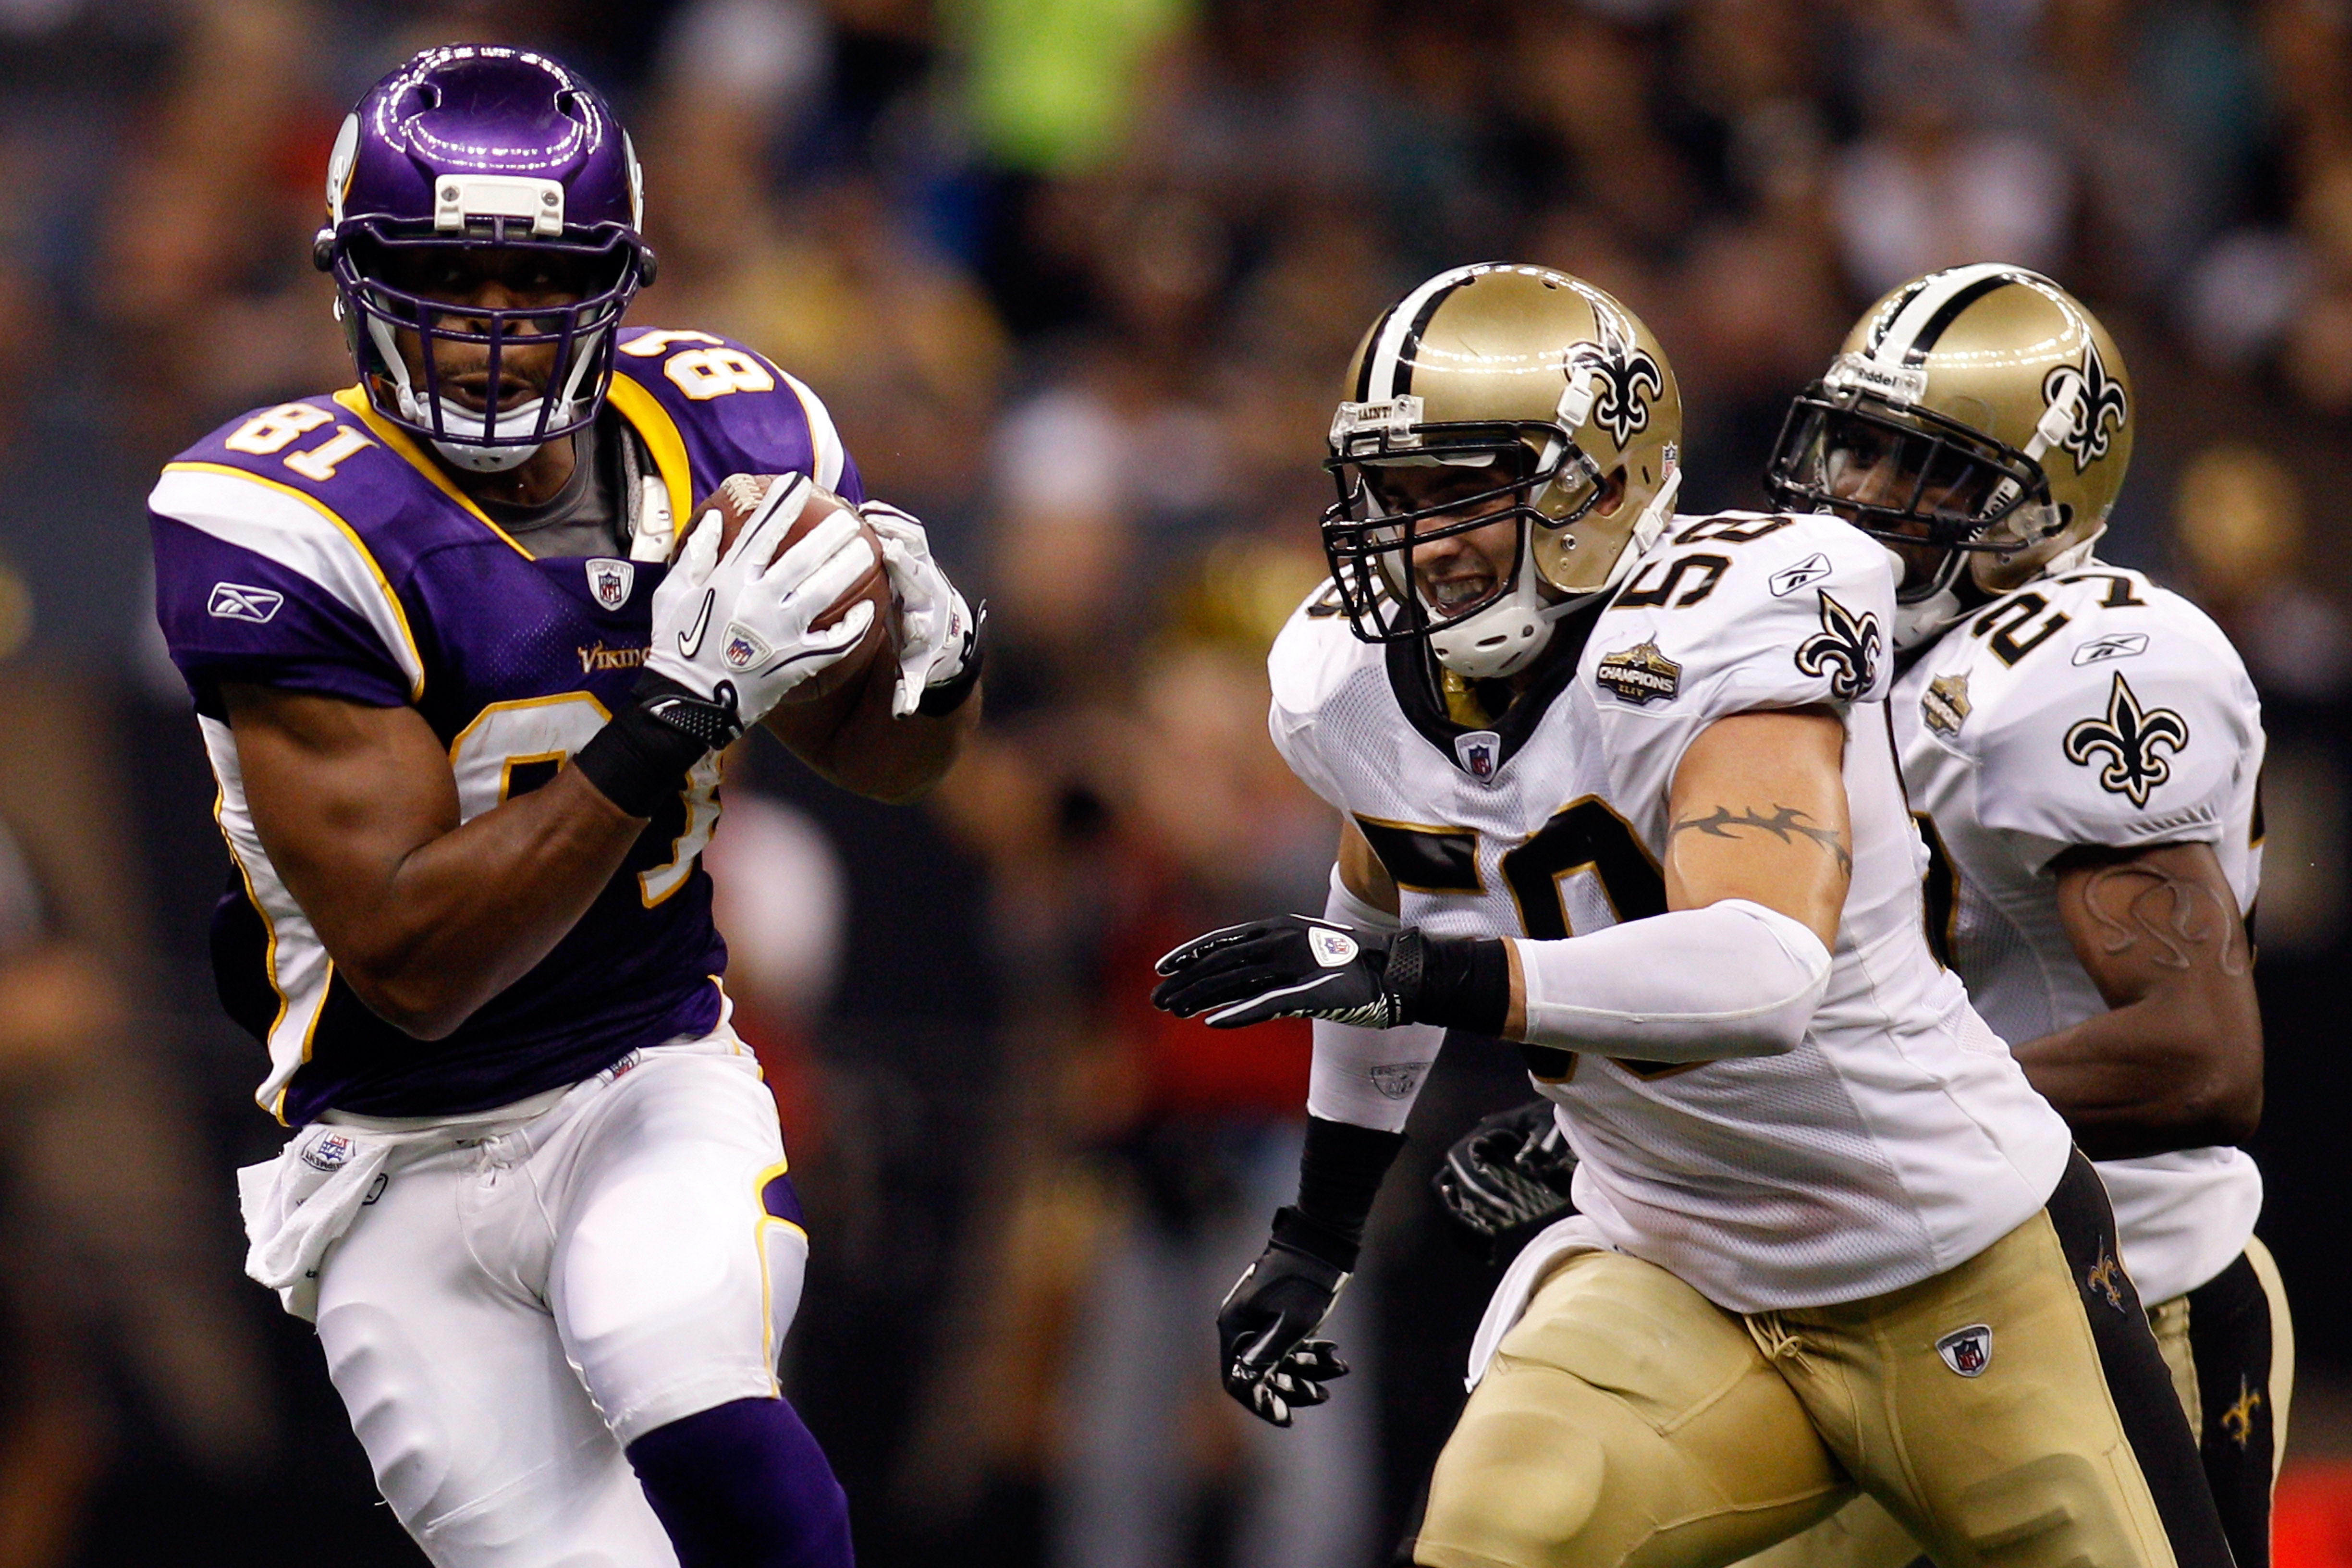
1900, 1138
2092, 707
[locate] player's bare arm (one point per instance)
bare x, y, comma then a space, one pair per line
2177, 1060
426, 918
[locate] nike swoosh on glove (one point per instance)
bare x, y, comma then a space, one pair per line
935, 625
1272, 1364
1512, 1170
1292, 966
737, 632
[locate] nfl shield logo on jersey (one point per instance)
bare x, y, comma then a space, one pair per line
1966, 1351
1481, 753
610, 580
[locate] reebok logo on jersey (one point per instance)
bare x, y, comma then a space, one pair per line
2129, 735
1789, 579
1640, 675
609, 581
1946, 705
1968, 1350
237, 602
2115, 645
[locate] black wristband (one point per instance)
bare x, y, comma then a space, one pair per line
1339, 1175
938, 701
1464, 982
640, 760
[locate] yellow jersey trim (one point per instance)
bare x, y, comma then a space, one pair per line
399, 612
392, 435
644, 410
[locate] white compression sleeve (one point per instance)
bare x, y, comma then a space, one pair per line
1367, 1076
1734, 978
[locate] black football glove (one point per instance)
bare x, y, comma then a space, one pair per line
1294, 967
1271, 1364
1509, 1172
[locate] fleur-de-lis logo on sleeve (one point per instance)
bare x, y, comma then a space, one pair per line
2128, 736
1846, 649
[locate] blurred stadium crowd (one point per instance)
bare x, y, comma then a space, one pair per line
1076, 278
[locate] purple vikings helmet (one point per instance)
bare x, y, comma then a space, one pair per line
474, 147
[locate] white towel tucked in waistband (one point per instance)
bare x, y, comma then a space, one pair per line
299, 1204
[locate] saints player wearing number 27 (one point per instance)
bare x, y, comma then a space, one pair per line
465, 694
2081, 748
1617, 784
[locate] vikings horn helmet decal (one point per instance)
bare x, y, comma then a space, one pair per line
1538, 379
1979, 413
472, 148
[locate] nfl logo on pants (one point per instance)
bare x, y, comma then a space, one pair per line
1966, 1351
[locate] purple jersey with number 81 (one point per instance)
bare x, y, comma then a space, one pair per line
315, 547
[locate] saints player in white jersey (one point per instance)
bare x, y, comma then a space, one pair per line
2081, 748
1617, 785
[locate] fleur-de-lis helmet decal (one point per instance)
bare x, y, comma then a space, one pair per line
1628, 377
2101, 407
2128, 736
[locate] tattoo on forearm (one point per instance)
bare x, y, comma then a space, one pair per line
1786, 824
2177, 914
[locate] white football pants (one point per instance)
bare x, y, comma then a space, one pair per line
530, 1294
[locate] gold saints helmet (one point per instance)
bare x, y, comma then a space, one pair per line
1540, 380
1980, 412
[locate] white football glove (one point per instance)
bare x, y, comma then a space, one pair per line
935, 624
738, 634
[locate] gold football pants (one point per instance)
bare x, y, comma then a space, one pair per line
2229, 1346
2014, 1412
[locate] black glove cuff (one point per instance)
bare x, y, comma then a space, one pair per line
640, 760
1339, 1175
1464, 982
938, 701
1296, 1232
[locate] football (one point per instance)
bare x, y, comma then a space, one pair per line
736, 499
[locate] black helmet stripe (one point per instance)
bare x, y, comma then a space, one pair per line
1936, 325
1926, 309
1388, 368
1408, 350
1371, 354
1888, 317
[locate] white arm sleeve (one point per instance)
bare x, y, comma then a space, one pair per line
1734, 978
1367, 1076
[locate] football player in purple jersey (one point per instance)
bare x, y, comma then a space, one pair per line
465, 691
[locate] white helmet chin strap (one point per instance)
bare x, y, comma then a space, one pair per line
1505, 637
461, 423
1507, 634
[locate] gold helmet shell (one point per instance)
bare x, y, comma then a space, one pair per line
2015, 406
1538, 374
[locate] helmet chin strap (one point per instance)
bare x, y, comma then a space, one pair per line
1922, 613
1508, 635
461, 423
